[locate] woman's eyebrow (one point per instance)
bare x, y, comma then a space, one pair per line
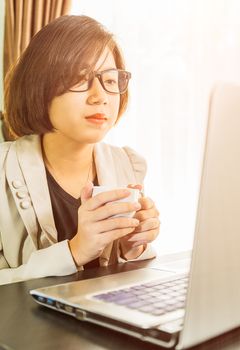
107, 68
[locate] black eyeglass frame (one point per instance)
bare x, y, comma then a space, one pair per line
98, 74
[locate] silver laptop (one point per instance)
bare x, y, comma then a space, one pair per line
163, 306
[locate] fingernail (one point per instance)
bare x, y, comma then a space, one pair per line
136, 244
135, 222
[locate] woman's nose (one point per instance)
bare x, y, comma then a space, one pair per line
96, 94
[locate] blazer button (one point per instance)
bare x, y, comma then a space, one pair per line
21, 194
17, 184
25, 204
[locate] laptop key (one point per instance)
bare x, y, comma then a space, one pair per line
125, 302
138, 292
160, 305
180, 305
158, 312
146, 297
171, 302
112, 297
171, 308
147, 309
138, 304
181, 297
156, 294
159, 287
138, 287
151, 284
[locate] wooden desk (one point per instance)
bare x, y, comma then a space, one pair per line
24, 325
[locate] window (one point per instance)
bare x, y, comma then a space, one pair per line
176, 50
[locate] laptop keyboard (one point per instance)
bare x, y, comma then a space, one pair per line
156, 297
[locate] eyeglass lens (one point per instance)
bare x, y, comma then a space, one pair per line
114, 81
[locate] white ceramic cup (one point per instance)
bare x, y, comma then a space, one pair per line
133, 197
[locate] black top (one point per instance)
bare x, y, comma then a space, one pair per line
65, 212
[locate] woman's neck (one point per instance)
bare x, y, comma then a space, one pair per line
66, 155
71, 164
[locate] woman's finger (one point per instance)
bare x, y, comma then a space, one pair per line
149, 224
110, 236
146, 236
109, 196
146, 203
116, 208
143, 215
115, 223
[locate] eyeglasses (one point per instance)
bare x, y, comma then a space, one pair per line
114, 81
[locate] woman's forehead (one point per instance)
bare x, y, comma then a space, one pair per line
105, 60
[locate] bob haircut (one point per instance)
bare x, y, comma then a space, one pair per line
49, 66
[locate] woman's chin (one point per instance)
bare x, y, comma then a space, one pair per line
89, 138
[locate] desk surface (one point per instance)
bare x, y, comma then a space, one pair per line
24, 325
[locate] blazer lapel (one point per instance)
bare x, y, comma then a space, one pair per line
29, 154
113, 166
105, 166
113, 169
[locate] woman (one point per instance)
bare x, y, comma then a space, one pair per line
67, 91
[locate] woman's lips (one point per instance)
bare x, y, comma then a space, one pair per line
97, 118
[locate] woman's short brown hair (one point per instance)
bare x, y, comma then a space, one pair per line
50, 66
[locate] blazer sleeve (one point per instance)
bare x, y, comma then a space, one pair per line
55, 260
148, 253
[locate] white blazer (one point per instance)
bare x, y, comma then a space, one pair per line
28, 236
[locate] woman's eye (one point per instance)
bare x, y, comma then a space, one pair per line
110, 82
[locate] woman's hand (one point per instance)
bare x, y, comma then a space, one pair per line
96, 227
135, 243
